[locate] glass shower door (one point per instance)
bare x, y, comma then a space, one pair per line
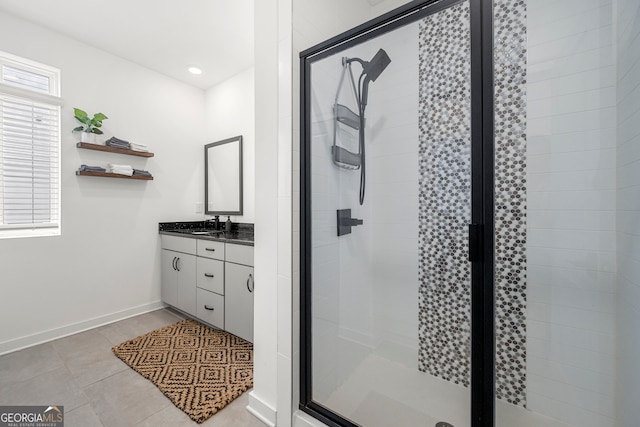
387, 205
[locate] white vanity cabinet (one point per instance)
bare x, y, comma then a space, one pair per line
210, 280
179, 273
239, 300
239, 286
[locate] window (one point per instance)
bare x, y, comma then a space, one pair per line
29, 148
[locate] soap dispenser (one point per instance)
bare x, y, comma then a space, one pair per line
227, 225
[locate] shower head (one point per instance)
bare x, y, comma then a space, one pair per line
377, 65
372, 70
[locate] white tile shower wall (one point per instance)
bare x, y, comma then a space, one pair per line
341, 276
366, 290
392, 191
628, 212
571, 245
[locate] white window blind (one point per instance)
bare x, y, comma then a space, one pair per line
29, 151
26, 79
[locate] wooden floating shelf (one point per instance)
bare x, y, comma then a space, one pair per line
114, 175
98, 147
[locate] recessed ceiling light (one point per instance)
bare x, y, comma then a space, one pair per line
195, 70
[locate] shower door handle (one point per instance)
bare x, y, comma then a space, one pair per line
476, 241
345, 222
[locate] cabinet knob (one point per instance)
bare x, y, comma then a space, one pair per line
208, 275
174, 263
210, 249
206, 307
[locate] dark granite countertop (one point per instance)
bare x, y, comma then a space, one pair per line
241, 233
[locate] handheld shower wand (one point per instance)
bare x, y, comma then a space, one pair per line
371, 70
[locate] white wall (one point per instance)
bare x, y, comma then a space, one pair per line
628, 212
105, 265
393, 192
571, 181
263, 400
230, 111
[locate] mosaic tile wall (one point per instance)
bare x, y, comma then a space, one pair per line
510, 74
445, 194
444, 162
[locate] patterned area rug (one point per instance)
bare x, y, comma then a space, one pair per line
200, 369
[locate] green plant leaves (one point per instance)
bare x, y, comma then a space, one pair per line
79, 113
90, 124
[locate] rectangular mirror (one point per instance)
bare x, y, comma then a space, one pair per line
223, 177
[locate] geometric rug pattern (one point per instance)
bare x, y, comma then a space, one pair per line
200, 369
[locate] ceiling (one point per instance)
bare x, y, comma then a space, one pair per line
167, 36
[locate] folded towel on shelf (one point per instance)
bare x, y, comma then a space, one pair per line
120, 169
141, 172
139, 147
118, 143
92, 168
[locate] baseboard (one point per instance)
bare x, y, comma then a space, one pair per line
300, 419
54, 334
261, 410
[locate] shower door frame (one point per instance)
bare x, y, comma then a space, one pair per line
481, 228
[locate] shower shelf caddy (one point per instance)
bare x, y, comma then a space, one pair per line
108, 149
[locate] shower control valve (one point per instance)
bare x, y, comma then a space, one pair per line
345, 222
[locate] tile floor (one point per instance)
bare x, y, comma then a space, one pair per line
98, 389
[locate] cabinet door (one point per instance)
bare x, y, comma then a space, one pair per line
186, 265
169, 287
238, 300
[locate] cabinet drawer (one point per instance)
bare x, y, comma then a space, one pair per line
179, 244
211, 249
210, 275
239, 254
210, 307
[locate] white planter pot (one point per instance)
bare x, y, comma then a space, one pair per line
88, 137
99, 139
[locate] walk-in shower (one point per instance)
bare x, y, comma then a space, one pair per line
490, 276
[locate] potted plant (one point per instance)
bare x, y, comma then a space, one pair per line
90, 126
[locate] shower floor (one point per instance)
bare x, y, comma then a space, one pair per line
382, 393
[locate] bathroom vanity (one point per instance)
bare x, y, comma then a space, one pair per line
208, 275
